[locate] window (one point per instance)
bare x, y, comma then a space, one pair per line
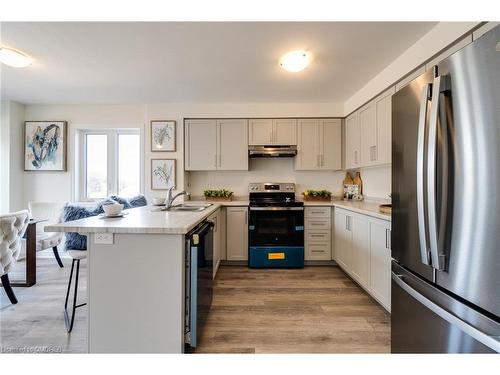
111, 163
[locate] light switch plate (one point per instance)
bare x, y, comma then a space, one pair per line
103, 238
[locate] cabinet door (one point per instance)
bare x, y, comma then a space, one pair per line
360, 250
237, 233
285, 131
260, 131
342, 244
216, 219
331, 144
200, 145
232, 149
380, 262
368, 134
352, 140
383, 108
308, 145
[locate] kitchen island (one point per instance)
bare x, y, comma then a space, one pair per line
135, 283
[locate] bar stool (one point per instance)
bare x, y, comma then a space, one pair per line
76, 256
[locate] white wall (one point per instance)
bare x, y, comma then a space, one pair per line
59, 186
11, 156
265, 170
438, 38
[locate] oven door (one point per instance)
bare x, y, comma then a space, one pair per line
276, 226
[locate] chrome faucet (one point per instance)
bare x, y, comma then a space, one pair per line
170, 200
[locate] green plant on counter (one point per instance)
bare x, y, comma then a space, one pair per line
317, 193
217, 193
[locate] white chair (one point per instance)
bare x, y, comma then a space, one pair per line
12, 228
51, 212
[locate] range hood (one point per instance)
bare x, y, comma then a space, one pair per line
272, 151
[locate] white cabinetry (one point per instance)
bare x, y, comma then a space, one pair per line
216, 145
319, 144
200, 145
237, 233
362, 249
380, 261
272, 132
216, 219
368, 133
352, 141
318, 233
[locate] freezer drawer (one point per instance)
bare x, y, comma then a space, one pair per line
426, 320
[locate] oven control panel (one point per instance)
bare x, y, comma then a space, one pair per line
271, 187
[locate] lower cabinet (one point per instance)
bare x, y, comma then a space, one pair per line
380, 261
216, 219
362, 249
318, 231
237, 233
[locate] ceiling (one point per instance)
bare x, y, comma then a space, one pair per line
144, 62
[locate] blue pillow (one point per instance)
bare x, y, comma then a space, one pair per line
121, 200
138, 201
75, 241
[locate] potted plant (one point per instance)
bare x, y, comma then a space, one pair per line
218, 195
317, 195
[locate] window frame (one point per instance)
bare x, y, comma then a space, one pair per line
112, 160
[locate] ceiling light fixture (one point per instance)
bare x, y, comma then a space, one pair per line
14, 58
295, 61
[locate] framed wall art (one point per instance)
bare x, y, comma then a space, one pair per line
162, 174
45, 145
162, 135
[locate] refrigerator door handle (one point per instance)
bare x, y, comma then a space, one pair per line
437, 259
493, 342
422, 227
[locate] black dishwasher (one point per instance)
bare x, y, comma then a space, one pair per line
198, 280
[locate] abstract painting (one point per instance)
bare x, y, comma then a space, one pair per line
45, 146
162, 135
162, 174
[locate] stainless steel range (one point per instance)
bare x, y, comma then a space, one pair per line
276, 226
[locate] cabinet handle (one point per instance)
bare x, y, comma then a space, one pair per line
317, 251
355, 157
375, 156
346, 228
387, 238
316, 223
318, 235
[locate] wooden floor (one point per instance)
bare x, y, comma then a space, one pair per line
311, 310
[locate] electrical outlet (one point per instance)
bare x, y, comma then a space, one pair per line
103, 238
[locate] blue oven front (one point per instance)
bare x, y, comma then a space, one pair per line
276, 237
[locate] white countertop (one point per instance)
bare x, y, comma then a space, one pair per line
365, 207
138, 220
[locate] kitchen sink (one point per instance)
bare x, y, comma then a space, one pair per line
192, 207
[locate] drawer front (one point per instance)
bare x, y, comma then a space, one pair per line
318, 251
315, 212
322, 236
318, 224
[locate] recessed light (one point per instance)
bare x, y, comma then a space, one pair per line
14, 58
295, 61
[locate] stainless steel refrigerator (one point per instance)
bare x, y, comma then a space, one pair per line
446, 205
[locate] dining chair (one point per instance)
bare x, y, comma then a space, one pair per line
52, 212
12, 228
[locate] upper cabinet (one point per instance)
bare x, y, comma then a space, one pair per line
216, 144
368, 133
352, 141
319, 144
262, 132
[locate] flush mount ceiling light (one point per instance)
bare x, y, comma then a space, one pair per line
14, 58
295, 61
